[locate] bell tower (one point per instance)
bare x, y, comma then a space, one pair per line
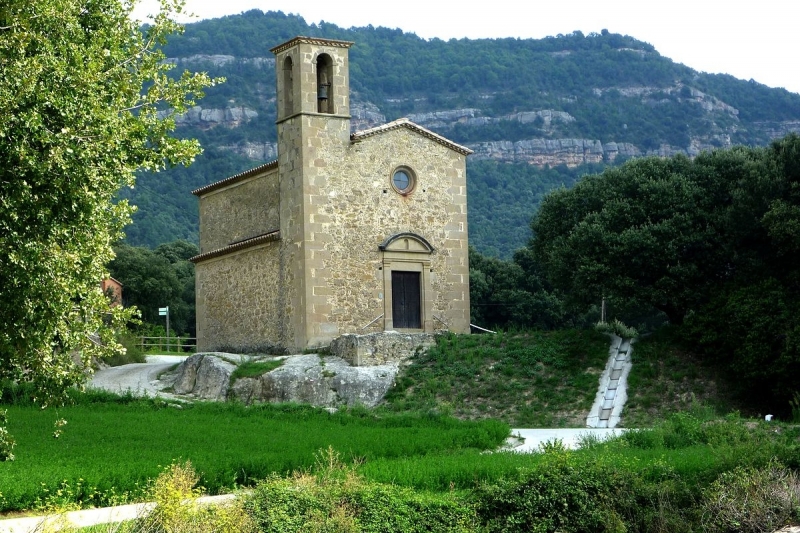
313, 110
313, 78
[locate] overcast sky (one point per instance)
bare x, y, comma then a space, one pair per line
758, 40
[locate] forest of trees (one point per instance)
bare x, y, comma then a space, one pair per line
709, 244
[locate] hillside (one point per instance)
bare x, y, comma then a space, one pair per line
538, 113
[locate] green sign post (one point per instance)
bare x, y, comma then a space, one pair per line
164, 311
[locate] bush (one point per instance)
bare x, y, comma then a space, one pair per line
617, 327
752, 499
174, 492
557, 495
132, 354
333, 498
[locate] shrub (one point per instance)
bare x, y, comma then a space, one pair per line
132, 354
333, 498
752, 499
176, 510
617, 328
557, 495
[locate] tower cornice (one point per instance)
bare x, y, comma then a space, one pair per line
316, 41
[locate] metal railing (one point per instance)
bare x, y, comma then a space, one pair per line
169, 344
368, 325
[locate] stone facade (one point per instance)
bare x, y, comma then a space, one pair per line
324, 241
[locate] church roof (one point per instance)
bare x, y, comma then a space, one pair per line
405, 123
318, 41
235, 178
239, 245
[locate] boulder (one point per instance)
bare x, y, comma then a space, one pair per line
213, 378
186, 374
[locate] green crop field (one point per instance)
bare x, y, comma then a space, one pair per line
109, 449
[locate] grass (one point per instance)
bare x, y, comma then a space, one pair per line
666, 377
527, 379
254, 369
664, 473
98, 460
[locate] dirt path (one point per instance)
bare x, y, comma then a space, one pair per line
140, 379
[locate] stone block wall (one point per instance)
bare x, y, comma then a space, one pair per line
245, 209
239, 302
380, 348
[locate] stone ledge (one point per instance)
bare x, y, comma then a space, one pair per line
380, 348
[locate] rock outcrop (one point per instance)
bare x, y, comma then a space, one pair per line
472, 117
570, 152
205, 376
777, 130
265, 151
219, 60
320, 381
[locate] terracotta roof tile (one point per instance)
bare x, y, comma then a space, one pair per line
274, 235
233, 179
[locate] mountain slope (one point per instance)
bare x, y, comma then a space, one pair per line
571, 103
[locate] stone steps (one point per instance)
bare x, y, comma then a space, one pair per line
612, 392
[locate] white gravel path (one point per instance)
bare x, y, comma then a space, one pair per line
569, 437
141, 379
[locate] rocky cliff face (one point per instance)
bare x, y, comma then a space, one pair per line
552, 148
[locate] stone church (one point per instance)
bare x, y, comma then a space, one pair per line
343, 233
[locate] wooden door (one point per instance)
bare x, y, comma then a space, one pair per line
406, 309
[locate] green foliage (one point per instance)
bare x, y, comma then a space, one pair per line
654, 213
795, 405
502, 198
254, 369
617, 327
669, 375
80, 90
508, 294
558, 494
7, 442
709, 241
751, 499
105, 462
163, 277
132, 351
514, 376
334, 498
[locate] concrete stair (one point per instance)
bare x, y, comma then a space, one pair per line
612, 392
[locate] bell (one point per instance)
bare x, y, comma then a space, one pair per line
323, 92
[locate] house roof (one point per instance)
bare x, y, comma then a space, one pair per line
311, 40
405, 123
235, 179
238, 246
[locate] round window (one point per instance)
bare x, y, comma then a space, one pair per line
403, 180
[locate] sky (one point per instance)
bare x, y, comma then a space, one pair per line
747, 39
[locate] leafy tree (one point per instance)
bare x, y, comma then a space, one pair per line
80, 91
506, 294
712, 241
157, 278
644, 232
